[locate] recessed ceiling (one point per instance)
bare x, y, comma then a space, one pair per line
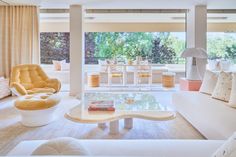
131, 4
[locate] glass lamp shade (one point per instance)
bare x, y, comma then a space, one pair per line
194, 52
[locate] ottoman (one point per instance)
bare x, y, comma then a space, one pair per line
168, 79
37, 109
93, 80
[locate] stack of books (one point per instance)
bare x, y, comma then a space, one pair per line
102, 105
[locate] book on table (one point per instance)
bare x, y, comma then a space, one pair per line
101, 105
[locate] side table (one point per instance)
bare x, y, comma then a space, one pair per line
189, 85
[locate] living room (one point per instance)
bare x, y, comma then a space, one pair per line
153, 78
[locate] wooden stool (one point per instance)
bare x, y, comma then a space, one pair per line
93, 80
168, 79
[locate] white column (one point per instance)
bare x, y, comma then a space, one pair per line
76, 51
197, 33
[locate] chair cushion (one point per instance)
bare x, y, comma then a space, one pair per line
37, 101
30, 79
41, 90
61, 146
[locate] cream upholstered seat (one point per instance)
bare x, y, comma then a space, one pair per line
30, 79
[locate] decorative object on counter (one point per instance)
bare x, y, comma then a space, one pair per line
129, 99
138, 59
130, 62
193, 72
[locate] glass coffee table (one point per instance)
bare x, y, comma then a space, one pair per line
141, 105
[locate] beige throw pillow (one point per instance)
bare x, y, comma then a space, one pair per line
209, 82
228, 149
61, 146
232, 100
223, 87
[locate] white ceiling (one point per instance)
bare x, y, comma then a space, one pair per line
131, 4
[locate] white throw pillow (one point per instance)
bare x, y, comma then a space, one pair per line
209, 82
65, 66
228, 149
57, 64
232, 100
223, 87
61, 146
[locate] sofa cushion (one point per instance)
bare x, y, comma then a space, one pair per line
212, 117
232, 100
223, 87
228, 149
61, 146
209, 82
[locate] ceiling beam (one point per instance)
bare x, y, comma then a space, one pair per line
55, 11
104, 11
222, 11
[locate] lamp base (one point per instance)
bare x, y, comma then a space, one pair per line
192, 73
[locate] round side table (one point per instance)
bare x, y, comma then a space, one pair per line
168, 79
93, 80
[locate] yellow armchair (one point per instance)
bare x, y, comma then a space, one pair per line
31, 79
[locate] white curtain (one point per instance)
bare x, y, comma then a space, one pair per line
19, 37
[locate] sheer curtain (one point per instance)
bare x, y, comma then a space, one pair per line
19, 37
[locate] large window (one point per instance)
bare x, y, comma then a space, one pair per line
221, 45
54, 46
157, 47
221, 36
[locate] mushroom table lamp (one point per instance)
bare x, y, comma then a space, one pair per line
192, 54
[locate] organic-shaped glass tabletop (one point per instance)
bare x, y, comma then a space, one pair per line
135, 101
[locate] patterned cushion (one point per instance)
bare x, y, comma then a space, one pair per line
209, 82
223, 87
228, 149
232, 100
